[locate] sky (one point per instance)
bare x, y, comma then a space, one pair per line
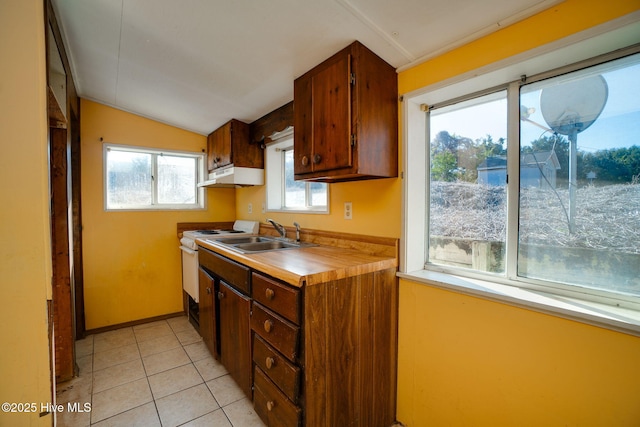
617, 126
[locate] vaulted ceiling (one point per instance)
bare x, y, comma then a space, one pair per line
195, 64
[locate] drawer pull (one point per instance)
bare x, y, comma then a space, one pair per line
269, 293
270, 405
268, 325
220, 295
270, 362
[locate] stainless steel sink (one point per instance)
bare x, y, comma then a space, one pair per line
242, 240
265, 246
251, 244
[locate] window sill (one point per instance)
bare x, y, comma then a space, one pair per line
601, 315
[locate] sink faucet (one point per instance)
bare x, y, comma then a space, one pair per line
297, 232
279, 228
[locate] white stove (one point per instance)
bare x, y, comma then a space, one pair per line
239, 227
189, 249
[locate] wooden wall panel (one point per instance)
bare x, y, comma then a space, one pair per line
350, 349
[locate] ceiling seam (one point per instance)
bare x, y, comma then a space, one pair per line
115, 89
372, 25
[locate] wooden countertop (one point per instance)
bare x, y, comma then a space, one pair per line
309, 265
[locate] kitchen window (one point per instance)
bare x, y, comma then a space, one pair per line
286, 194
147, 179
533, 182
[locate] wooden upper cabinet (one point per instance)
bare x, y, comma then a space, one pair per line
230, 144
346, 118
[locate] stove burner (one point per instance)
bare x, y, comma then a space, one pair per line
233, 231
208, 231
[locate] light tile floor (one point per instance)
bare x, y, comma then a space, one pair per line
155, 374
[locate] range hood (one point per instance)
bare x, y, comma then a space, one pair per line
231, 176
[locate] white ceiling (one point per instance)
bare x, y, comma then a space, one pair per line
196, 64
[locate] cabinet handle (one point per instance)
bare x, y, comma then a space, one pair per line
317, 158
209, 291
305, 160
220, 295
269, 293
270, 405
268, 325
270, 362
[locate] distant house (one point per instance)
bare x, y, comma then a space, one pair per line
534, 167
493, 171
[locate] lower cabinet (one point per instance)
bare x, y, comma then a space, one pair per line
271, 405
235, 342
225, 309
283, 372
275, 316
316, 356
207, 311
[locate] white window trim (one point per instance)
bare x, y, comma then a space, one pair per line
413, 249
274, 173
201, 202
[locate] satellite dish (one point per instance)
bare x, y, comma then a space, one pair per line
574, 106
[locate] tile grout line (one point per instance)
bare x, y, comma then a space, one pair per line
192, 363
146, 376
203, 382
93, 353
220, 407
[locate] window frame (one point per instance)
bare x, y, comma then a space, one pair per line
547, 61
275, 179
155, 153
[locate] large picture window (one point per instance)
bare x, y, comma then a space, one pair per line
536, 182
139, 178
467, 183
579, 216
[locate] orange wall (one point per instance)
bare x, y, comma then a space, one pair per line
132, 264
25, 253
465, 361
376, 208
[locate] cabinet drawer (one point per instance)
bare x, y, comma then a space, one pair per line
280, 298
280, 333
282, 372
271, 405
233, 273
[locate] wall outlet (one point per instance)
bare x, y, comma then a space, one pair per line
348, 210
250, 208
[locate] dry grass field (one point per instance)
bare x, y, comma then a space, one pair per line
607, 217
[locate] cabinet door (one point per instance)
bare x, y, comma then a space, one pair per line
207, 314
332, 117
235, 336
219, 147
323, 141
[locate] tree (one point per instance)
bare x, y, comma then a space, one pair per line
444, 142
488, 148
444, 166
615, 165
454, 157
